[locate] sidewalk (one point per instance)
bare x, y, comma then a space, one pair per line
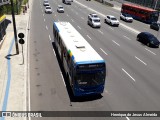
13, 72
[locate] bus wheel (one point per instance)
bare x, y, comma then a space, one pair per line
67, 76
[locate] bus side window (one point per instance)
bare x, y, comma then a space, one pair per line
59, 40
65, 52
56, 34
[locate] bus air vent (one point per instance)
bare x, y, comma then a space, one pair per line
63, 23
69, 31
79, 45
74, 40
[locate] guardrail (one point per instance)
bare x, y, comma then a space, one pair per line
106, 2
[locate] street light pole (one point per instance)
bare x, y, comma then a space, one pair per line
14, 27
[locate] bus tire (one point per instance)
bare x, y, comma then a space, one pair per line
67, 77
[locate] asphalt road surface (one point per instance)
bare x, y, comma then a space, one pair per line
133, 79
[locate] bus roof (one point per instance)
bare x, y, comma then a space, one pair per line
139, 7
78, 48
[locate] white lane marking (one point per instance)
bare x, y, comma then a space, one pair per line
116, 43
55, 14
111, 28
127, 118
150, 51
140, 60
44, 20
126, 37
129, 75
67, 15
89, 37
82, 18
46, 27
49, 37
62, 79
54, 52
79, 27
100, 31
72, 20
123, 25
43, 14
103, 51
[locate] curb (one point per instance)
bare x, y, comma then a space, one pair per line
1, 43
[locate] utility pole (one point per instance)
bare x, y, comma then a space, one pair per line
14, 27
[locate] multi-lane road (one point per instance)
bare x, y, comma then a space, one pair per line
133, 77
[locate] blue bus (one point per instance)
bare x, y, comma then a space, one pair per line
84, 67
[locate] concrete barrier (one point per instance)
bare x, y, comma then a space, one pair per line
106, 3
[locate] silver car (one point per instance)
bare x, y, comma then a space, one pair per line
94, 22
126, 17
46, 3
60, 9
48, 9
111, 20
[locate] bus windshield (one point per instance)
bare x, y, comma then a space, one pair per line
90, 79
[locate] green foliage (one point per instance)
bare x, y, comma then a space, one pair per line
25, 2
7, 9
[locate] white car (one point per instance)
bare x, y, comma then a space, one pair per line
46, 3
93, 15
60, 9
48, 9
94, 22
111, 20
126, 17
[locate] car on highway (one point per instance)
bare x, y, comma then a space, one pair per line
155, 26
126, 17
67, 1
94, 22
148, 39
46, 3
111, 20
93, 15
60, 9
48, 9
